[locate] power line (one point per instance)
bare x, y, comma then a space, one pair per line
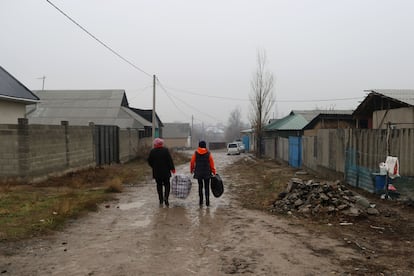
168, 95
192, 107
97, 39
248, 100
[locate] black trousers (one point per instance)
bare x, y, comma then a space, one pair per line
163, 182
206, 183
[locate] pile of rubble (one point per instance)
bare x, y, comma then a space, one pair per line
313, 198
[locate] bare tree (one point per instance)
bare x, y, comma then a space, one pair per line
234, 125
262, 99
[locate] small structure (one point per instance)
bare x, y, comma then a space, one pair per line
177, 135
14, 96
147, 115
383, 106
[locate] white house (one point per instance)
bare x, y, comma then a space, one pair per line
14, 97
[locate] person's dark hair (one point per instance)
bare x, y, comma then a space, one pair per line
202, 144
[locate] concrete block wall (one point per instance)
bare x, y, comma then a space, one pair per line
81, 148
128, 144
32, 152
46, 152
9, 155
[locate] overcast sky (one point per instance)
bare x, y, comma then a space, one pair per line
204, 52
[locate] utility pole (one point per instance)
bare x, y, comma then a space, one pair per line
153, 107
192, 131
388, 153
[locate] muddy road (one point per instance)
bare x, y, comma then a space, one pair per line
135, 236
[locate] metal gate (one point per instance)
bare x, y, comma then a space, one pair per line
106, 141
295, 151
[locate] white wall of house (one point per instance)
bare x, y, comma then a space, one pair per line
401, 117
11, 111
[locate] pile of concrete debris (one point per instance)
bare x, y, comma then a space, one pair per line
313, 198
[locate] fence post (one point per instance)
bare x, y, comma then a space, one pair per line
23, 147
92, 128
65, 124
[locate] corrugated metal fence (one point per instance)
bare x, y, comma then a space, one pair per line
355, 154
106, 144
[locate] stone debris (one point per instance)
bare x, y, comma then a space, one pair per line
312, 198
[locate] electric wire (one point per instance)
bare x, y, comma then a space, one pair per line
168, 95
276, 101
192, 107
181, 90
98, 40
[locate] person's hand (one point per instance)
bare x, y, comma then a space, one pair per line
173, 171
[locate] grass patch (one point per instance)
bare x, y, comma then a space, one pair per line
266, 179
33, 211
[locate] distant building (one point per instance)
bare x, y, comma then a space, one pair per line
14, 96
177, 135
147, 115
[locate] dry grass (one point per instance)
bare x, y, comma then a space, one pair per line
113, 185
265, 180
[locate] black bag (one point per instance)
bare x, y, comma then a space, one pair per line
217, 187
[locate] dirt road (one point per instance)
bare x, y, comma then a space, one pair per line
134, 236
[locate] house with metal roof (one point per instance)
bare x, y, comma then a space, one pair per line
14, 96
282, 137
147, 115
177, 135
290, 125
382, 107
82, 107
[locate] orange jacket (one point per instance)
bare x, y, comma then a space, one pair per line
210, 159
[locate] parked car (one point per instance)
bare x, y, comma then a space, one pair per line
241, 146
233, 148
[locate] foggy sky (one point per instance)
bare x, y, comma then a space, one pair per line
204, 52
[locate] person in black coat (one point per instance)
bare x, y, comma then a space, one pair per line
162, 165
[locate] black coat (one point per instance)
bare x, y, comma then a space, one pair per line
161, 162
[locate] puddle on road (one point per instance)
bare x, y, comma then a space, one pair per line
131, 205
142, 223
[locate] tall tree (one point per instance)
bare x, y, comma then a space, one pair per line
234, 125
262, 99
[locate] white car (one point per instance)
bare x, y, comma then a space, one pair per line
241, 146
233, 148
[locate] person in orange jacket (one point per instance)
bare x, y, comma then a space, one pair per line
202, 165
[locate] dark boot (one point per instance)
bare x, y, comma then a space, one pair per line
207, 201
166, 202
201, 201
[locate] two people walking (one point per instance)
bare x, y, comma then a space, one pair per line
201, 164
